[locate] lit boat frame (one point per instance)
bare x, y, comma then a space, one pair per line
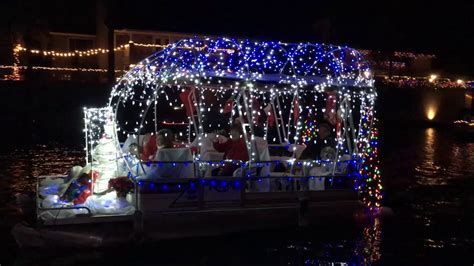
286, 78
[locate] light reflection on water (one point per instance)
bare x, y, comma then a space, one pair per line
22, 167
430, 179
442, 159
428, 175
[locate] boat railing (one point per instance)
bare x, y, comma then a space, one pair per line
170, 184
200, 190
251, 168
249, 176
179, 194
40, 209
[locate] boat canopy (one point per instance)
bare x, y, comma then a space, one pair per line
193, 61
278, 91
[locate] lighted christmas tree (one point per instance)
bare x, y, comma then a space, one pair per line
309, 132
370, 186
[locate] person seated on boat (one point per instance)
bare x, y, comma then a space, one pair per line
234, 148
263, 184
133, 149
151, 143
325, 140
323, 148
130, 144
170, 161
148, 147
314, 149
203, 144
165, 138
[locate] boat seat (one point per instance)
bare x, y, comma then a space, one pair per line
171, 163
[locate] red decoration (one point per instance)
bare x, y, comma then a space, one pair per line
122, 184
270, 115
194, 150
82, 197
184, 96
149, 149
256, 107
94, 175
330, 113
228, 105
338, 128
296, 109
80, 189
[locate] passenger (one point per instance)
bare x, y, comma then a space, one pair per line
325, 142
130, 145
162, 139
322, 149
203, 144
165, 138
148, 147
233, 149
133, 149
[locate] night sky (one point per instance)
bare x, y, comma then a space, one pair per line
445, 29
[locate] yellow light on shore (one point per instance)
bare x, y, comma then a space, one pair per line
431, 112
433, 77
459, 81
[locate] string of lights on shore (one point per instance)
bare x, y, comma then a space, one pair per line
414, 82
398, 54
74, 69
89, 52
405, 82
95, 51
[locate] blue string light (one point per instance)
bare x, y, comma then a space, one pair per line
237, 184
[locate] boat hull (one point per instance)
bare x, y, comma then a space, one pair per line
207, 220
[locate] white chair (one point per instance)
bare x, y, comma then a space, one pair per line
211, 156
207, 151
263, 184
297, 150
344, 161
173, 162
207, 144
316, 182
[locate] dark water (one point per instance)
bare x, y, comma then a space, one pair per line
428, 177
